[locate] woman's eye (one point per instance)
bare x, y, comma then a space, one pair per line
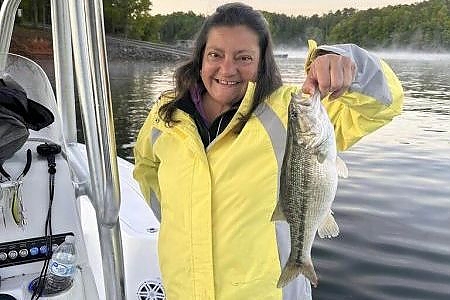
213, 55
245, 59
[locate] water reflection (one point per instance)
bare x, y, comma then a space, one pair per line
394, 207
426, 84
135, 86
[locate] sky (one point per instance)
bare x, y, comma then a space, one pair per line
288, 7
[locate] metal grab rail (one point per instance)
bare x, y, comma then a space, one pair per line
62, 56
7, 17
95, 101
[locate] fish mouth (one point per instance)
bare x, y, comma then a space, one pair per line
305, 114
307, 101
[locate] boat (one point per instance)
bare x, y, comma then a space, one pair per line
281, 55
72, 188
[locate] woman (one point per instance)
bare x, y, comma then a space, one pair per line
206, 157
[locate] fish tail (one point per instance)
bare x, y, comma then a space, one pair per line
292, 270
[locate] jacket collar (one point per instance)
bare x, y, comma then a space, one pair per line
195, 126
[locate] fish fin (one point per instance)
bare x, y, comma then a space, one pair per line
329, 228
291, 271
278, 214
321, 156
341, 167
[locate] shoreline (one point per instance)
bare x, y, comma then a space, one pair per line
36, 44
124, 50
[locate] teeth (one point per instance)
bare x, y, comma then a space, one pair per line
227, 82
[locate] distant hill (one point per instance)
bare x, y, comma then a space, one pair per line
420, 26
423, 26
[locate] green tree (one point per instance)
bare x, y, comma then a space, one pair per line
423, 25
126, 17
36, 12
138, 16
180, 26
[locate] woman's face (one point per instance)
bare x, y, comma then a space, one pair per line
229, 62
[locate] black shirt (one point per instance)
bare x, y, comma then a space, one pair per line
207, 134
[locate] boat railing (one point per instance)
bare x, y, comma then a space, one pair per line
92, 76
7, 17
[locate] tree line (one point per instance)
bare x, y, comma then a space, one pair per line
424, 25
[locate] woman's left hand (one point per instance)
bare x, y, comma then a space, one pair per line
331, 74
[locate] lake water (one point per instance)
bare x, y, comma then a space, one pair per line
393, 210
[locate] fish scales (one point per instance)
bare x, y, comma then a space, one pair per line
308, 183
305, 174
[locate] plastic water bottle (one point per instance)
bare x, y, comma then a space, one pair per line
62, 267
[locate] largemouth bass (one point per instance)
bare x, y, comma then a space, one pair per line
308, 183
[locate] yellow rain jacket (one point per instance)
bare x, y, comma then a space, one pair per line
217, 241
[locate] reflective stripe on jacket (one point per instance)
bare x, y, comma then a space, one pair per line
217, 241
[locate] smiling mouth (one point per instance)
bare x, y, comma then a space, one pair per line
226, 82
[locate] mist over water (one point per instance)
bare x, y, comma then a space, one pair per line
393, 210
413, 55
390, 54
299, 52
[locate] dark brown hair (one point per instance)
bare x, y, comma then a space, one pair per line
188, 74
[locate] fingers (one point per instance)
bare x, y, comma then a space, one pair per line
332, 74
309, 86
326, 81
342, 74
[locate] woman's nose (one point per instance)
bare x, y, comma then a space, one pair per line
228, 66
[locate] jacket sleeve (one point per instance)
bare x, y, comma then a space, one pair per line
374, 98
146, 165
